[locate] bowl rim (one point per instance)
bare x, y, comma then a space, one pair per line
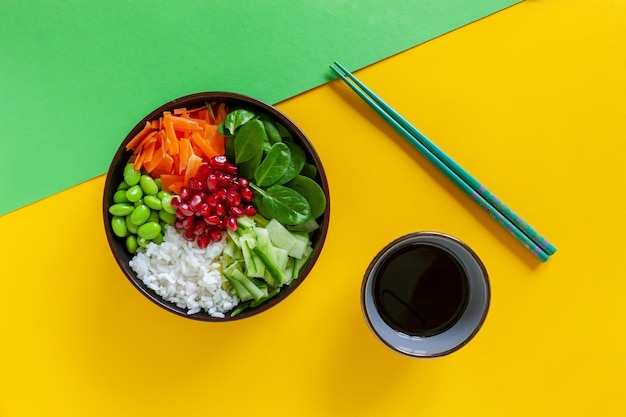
244, 100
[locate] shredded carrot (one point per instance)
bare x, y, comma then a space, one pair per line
151, 138
148, 152
193, 165
204, 145
182, 123
140, 136
183, 110
170, 134
202, 115
157, 157
172, 182
138, 162
221, 114
185, 152
174, 146
217, 141
166, 166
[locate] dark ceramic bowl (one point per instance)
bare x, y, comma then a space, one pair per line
425, 295
115, 175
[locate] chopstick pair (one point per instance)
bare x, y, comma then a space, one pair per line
514, 224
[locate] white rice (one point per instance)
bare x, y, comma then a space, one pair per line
182, 273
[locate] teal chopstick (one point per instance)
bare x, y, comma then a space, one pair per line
522, 231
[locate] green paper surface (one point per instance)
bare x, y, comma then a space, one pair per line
76, 76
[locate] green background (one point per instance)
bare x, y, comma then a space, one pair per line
76, 76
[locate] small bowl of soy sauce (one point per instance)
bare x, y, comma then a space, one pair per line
425, 295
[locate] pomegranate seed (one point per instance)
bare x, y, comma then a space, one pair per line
205, 210
184, 193
231, 223
203, 194
216, 235
211, 183
237, 211
203, 172
175, 202
188, 235
212, 200
230, 168
195, 202
246, 194
224, 179
203, 241
233, 198
199, 228
185, 210
188, 223
212, 220
219, 161
195, 184
220, 195
214, 195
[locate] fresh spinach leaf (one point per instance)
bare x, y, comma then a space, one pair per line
237, 118
273, 135
313, 193
283, 204
298, 159
229, 148
221, 129
309, 170
249, 141
284, 132
273, 166
246, 169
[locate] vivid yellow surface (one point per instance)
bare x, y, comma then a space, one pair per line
530, 100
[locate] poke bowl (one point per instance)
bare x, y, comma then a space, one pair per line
216, 206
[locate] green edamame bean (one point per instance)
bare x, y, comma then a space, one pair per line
140, 215
157, 181
162, 194
118, 224
130, 226
131, 175
120, 197
142, 241
121, 209
154, 216
138, 202
153, 202
159, 239
134, 193
166, 203
131, 243
148, 185
123, 186
167, 217
149, 230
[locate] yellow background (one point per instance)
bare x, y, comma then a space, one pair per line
530, 100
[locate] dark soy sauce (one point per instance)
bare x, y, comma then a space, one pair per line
420, 290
